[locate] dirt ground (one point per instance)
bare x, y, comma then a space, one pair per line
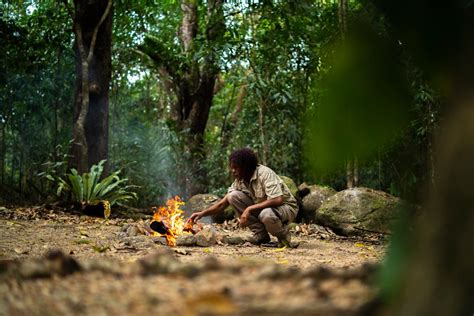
106, 268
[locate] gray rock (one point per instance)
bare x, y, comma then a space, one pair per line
290, 184
312, 196
164, 262
358, 211
186, 241
205, 238
132, 231
159, 240
233, 240
54, 263
198, 203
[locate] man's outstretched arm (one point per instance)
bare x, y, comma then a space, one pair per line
212, 210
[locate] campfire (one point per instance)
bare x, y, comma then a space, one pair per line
169, 222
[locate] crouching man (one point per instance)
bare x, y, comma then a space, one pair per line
260, 197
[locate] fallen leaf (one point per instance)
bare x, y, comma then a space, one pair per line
210, 304
82, 241
278, 249
20, 251
100, 249
181, 252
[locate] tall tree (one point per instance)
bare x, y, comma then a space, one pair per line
352, 170
92, 24
192, 74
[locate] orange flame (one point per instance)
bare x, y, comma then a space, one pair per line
172, 219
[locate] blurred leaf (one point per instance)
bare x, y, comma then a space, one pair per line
365, 104
82, 241
100, 249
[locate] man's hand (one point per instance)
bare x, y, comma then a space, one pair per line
195, 216
244, 217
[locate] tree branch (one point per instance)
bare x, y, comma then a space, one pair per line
96, 30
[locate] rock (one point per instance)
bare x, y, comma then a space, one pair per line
290, 184
311, 198
205, 238
54, 263
132, 231
227, 215
163, 261
200, 202
233, 240
159, 240
277, 272
105, 265
186, 241
360, 210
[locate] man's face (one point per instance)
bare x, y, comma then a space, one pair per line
236, 171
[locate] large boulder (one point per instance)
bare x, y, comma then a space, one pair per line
200, 202
290, 184
358, 211
311, 197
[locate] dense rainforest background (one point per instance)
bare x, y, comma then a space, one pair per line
175, 86
340, 93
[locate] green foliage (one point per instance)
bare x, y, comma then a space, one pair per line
36, 87
282, 53
53, 168
365, 104
274, 49
89, 189
148, 158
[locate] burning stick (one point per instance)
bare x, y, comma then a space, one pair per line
188, 227
159, 227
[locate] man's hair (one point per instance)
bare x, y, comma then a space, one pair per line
246, 159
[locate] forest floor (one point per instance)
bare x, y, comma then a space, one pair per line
57, 263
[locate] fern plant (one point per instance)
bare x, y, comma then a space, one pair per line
89, 189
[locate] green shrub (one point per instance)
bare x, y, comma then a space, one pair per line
88, 189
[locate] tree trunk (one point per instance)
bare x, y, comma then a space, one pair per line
349, 174
430, 149
342, 16
193, 83
2, 153
261, 126
195, 89
93, 28
352, 166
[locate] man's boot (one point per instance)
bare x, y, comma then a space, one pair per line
285, 241
259, 238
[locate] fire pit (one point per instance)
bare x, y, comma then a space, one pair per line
169, 221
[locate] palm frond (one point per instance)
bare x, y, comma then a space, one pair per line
89, 189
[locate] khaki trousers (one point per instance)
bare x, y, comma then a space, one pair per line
268, 220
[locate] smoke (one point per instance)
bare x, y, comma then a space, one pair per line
146, 154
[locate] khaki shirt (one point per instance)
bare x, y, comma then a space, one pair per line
265, 184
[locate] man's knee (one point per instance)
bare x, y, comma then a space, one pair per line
233, 196
267, 215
